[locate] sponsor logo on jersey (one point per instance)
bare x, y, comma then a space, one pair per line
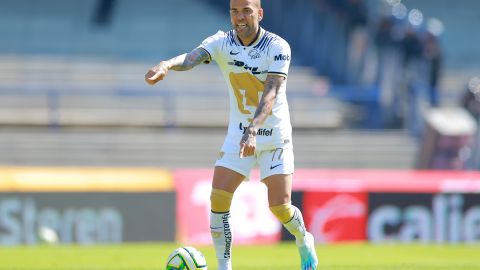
260, 131
233, 53
254, 70
281, 57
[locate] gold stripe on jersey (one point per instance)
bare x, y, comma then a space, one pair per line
278, 73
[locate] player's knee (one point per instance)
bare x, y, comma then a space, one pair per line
220, 200
283, 212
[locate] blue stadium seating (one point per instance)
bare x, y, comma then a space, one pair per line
139, 29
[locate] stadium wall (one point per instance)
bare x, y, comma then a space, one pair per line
85, 206
344, 205
112, 205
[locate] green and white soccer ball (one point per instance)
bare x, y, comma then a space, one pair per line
186, 258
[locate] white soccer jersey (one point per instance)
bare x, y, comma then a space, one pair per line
245, 68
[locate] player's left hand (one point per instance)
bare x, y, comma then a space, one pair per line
248, 143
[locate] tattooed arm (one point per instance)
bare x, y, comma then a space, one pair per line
182, 62
272, 85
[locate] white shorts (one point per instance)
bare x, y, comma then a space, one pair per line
270, 162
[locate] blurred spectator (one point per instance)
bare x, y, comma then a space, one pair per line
104, 12
384, 43
412, 47
357, 13
471, 102
389, 69
408, 62
383, 34
471, 98
415, 89
433, 56
357, 39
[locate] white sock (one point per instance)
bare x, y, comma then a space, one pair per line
296, 226
222, 239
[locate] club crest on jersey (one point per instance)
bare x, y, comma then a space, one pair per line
254, 70
254, 54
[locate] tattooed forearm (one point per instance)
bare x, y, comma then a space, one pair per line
272, 85
188, 60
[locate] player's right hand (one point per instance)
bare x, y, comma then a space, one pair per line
156, 73
248, 143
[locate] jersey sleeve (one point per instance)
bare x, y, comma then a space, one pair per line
212, 44
279, 58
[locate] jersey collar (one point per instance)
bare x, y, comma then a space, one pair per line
259, 36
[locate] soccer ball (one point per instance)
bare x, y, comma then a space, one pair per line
186, 258
47, 235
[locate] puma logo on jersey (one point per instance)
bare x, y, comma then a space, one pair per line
254, 70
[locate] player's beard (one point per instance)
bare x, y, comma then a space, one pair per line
246, 32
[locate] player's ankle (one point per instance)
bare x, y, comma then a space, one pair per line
301, 241
224, 264
304, 240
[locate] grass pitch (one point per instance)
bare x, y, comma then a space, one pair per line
152, 256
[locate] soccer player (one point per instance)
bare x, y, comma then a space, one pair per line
254, 63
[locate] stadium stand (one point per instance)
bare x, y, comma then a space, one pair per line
137, 30
60, 92
66, 69
184, 148
459, 38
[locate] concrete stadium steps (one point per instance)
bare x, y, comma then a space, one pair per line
354, 149
174, 148
73, 91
